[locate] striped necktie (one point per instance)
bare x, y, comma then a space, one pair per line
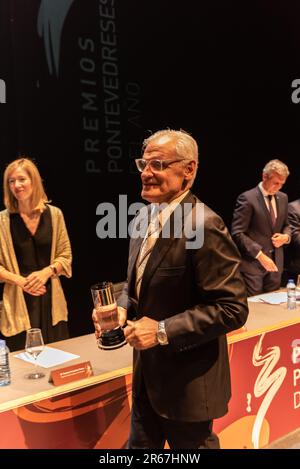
146, 248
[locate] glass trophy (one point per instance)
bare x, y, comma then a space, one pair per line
112, 335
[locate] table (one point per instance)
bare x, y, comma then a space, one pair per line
92, 412
265, 376
95, 412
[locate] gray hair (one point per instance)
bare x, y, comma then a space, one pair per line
276, 166
185, 145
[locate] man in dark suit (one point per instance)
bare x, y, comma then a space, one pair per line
260, 228
293, 249
186, 300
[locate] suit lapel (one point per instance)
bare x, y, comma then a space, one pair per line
162, 246
279, 213
134, 251
135, 245
264, 207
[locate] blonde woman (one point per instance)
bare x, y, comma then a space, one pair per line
34, 251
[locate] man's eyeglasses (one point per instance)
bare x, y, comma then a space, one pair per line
155, 165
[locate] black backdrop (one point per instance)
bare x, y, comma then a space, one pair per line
87, 79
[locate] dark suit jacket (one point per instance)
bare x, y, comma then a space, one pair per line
201, 296
252, 228
293, 249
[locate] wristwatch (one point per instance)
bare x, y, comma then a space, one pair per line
161, 334
54, 270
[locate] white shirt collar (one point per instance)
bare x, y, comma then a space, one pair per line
263, 191
167, 211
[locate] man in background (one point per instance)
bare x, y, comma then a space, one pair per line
260, 229
293, 249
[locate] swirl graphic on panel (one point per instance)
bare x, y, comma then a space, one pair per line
268, 382
51, 18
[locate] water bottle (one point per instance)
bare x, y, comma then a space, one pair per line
4, 364
291, 294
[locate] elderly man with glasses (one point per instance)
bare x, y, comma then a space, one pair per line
180, 301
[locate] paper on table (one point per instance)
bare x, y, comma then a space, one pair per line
49, 357
270, 298
254, 299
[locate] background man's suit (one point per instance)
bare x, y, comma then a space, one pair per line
293, 249
201, 296
252, 231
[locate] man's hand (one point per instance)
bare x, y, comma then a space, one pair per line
267, 262
278, 239
141, 334
122, 315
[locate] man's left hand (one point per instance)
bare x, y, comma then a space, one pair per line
141, 334
278, 239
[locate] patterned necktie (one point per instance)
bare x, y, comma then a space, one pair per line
272, 213
146, 249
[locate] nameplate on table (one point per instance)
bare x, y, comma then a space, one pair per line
71, 373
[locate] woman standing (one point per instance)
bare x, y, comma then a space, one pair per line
34, 250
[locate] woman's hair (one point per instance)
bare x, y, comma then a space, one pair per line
38, 198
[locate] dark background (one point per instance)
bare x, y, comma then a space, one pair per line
220, 70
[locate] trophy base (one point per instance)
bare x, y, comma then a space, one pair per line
111, 340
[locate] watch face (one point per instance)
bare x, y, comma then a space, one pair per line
162, 338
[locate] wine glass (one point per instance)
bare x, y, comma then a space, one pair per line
34, 346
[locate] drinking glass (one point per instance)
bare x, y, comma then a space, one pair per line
34, 346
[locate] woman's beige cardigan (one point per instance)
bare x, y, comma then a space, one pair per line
14, 315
